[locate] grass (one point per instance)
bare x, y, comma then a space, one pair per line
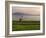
25, 25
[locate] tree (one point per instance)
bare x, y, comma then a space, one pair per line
20, 19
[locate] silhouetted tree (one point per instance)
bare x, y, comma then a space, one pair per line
20, 19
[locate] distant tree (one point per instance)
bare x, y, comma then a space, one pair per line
21, 19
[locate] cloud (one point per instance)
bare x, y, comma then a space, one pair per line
27, 10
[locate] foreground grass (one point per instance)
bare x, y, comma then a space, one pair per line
25, 27
22, 26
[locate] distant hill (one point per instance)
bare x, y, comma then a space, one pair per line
23, 14
28, 17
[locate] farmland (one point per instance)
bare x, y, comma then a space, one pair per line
25, 25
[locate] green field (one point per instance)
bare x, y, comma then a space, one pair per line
25, 25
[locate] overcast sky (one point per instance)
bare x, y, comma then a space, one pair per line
26, 10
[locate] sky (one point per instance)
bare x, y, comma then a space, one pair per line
26, 11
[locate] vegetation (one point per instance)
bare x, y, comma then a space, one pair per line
25, 25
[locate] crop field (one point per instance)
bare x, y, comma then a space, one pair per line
25, 25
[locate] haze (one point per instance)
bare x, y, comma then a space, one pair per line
27, 10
